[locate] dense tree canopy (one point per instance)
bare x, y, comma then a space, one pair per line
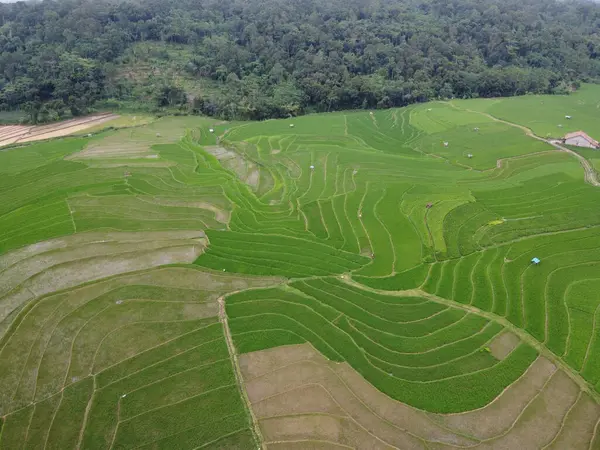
272, 58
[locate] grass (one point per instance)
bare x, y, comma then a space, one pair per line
11, 117
394, 253
544, 113
123, 121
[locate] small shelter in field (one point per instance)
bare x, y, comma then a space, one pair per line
580, 139
291, 125
429, 205
470, 155
312, 167
446, 144
211, 130
568, 117
536, 261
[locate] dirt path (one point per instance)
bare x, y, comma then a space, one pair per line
522, 334
237, 371
591, 176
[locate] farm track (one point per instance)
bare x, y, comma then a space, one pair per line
591, 176
233, 356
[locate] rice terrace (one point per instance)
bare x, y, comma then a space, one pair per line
418, 278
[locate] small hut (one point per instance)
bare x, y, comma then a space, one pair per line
312, 167
445, 144
568, 117
536, 261
470, 155
291, 125
211, 130
429, 205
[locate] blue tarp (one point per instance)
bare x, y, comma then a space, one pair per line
535, 260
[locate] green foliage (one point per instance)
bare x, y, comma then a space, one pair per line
418, 377
226, 58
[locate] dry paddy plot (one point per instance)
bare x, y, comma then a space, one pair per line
62, 263
302, 400
13, 134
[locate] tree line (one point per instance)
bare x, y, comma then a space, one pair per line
275, 58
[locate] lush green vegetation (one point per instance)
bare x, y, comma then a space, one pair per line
311, 225
433, 371
235, 59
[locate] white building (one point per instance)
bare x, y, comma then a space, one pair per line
580, 139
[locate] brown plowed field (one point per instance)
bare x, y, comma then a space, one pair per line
13, 134
303, 400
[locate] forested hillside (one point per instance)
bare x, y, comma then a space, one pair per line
240, 59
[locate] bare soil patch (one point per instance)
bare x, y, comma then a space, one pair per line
319, 428
302, 400
578, 428
18, 273
499, 416
247, 171
105, 149
273, 375
307, 399
502, 345
542, 419
69, 274
78, 239
201, 280
15, 134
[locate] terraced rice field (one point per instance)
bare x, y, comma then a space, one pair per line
342, 280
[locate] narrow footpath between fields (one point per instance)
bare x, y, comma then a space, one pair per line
591, 176
238, 373
522, 334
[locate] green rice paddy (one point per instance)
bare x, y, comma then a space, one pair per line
372, 236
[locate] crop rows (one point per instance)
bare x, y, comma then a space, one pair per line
138, 360
556, 302
414, 350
